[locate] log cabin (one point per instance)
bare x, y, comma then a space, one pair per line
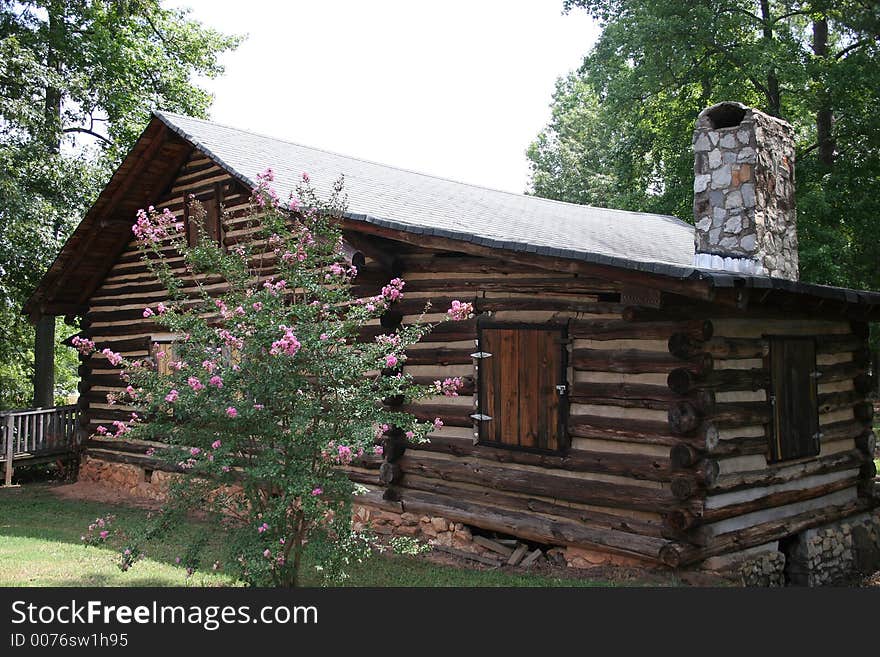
637, 389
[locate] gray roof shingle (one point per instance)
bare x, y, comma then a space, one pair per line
422, 204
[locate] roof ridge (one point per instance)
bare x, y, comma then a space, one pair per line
417, 173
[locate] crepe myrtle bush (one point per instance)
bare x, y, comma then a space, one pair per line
269, 387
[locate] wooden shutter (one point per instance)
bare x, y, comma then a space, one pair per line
518, 387
211, 221
795, 411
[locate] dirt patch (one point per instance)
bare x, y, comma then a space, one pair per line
92, 492
615, 575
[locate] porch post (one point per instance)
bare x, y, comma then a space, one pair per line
44, 363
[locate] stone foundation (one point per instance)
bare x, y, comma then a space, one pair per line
762, 566
132, 480
824, 555
836, 552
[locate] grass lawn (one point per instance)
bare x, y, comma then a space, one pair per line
40, 546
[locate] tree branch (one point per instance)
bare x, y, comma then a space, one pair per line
854, 46
89, 132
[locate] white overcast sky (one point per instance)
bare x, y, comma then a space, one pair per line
452, 88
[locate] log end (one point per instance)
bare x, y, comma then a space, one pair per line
683, 455
683, 487
680, 380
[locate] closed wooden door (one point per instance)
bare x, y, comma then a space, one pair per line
521, 402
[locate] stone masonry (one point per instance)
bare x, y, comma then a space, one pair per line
744, 204
834, 553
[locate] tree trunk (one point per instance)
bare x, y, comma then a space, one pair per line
774, 101
824, 116
44, 338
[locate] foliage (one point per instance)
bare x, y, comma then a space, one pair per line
267, 392
78, 80
620, 132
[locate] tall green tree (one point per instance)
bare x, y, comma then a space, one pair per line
78, 80
620, 132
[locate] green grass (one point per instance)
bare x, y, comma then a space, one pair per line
40, 545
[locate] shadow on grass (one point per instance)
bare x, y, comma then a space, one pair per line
40, 518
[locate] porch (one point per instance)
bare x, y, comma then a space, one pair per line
34, 436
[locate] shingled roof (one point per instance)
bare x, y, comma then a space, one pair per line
415, 202
396, 201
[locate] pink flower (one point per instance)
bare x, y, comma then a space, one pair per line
83, 345
195, 451
438, 423
161, 308
267, 553
215, 381
305, 177
195, 384
262, 528
150, 451
288, 344
112, 356
449, 386
459, 311
216, 444
258, 407
378, 450
231, 412
101, 429
148, 312
344, 454
323, 337
410, 435
393, 291
390, 360
172, 396
316, 492
104, 534
225, 468
257, 305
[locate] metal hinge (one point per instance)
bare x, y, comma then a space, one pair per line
818, 436
561, 389
816, 374
479, 417
481, 354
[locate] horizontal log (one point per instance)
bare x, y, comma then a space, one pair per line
635, 466
439, 356
631, 395
141, 460
783, 472
845, 429
453, 416
699, 330
840, 371
773, 500
677, 555
634, 361
631, 431
495, 304
683, 380
536, 482
528, 526
684, 346
535, 505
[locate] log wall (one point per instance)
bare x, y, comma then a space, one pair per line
667, 419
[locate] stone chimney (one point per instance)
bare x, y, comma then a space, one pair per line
744, 204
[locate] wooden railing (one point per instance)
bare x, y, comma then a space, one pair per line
36, 433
